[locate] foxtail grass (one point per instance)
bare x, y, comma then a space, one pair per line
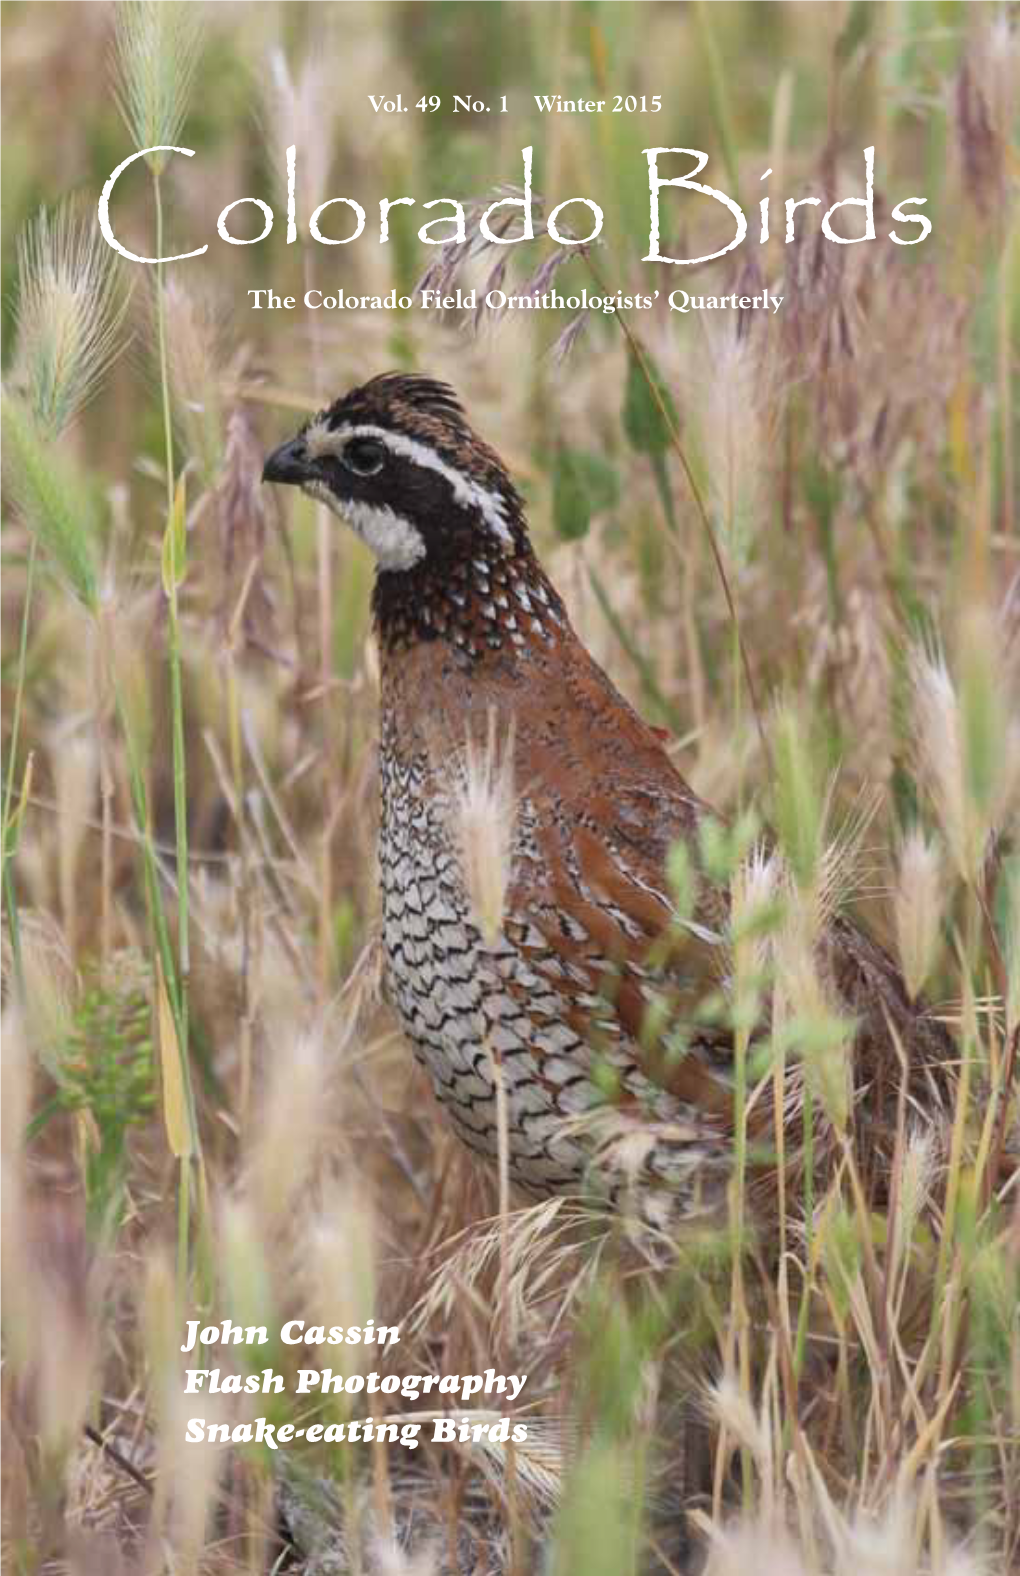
69, 316
157, 53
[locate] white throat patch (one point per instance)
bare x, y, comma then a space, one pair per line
394, 540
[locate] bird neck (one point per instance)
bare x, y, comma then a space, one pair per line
485, 602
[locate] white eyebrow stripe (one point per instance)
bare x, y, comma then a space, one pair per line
489, 504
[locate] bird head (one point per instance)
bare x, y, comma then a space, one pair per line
396, 460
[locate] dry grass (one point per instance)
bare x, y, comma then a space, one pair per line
849, 1405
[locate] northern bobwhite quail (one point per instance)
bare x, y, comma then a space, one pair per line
470, 632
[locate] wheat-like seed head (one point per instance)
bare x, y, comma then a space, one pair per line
967, 738
194, 334
338, 1273
293, 1102
68, 324
56, 502
738, 407
244, 1271
68, 317
728, 1403
919, 904
757, 892
800, 796
805, 1012
484, 815
389, 1558
158, 43
301, 111
917, 1171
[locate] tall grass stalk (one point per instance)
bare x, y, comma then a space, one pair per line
301, 111
751, 892
719, 96
324, 561
8, 830
179, 761
1008, 306
175, 531
506, 1301
179, 1108
804, 1307
741, 1322
237, 799
156, 58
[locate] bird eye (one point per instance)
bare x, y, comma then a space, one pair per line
364, 456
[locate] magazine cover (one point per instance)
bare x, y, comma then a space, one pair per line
511, 759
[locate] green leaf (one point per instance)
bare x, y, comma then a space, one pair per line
175, 540
583, 484
645, 415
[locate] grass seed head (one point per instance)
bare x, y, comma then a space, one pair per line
916, 1180
50, 988
919, 904
49, 1295
966, 738
730, 1406
484, 815
737, 410
245, 1265
800, 796
301, 111
757, 891
69, 315
293, 1102
53, 497
194, 334
806, 1016
338, 1275
747, 1546
187, 1476
158, 43
594, 1532
390, 1559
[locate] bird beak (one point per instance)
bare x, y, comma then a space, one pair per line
287, 464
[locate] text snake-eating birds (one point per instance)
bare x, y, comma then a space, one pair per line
475, 645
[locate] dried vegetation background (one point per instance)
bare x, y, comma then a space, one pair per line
207, 1110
